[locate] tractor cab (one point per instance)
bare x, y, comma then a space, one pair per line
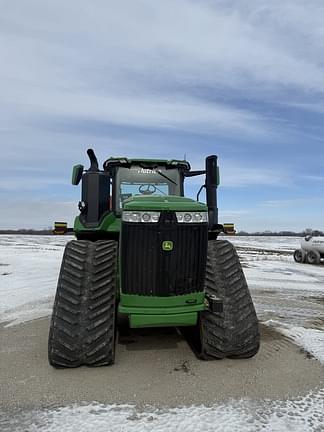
142, 177
141, 184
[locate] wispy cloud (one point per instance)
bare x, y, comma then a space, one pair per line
33, 184
146, 76
242, 78
233, 213
150, 111
234, 175
314, 178
293, 203
36, 213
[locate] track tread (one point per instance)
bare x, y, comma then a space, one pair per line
234, 333
82, 330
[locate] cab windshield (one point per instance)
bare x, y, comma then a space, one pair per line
146, 181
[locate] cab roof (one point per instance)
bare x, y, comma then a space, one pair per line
145, 163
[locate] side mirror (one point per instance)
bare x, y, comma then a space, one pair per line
212, 172
77, 174
212, 181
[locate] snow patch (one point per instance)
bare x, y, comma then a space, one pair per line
29, 267
311, 340
303, 414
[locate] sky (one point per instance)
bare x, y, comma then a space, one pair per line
243, 79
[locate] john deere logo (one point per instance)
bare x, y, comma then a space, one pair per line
167, 245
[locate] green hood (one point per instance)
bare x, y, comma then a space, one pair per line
159, 203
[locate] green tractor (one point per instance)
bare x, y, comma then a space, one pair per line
146, 253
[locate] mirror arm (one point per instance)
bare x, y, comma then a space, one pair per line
201, 188
194, 173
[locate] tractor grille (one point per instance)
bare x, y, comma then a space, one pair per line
146, 269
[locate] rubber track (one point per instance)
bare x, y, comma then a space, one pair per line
234, 333
82, 330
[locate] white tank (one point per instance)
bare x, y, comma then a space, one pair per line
313, 243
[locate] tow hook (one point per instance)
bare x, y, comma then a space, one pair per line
214, 304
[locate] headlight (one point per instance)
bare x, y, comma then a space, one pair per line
192, 217
141, 216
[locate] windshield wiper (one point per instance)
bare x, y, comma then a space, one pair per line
166, 177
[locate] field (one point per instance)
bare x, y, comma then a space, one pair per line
157, 383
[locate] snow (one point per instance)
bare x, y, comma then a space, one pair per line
288, 297
288, 244
302, 414
312, 340
29, 267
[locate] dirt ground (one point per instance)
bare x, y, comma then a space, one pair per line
153, 367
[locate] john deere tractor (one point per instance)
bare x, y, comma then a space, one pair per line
146, 253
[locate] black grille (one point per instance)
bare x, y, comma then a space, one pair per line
146, 269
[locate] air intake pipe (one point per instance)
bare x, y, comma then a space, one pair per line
95, 192
212, 181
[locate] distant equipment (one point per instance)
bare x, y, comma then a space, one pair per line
229, 229
311, 250
60, 228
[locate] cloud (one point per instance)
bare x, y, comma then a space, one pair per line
293, 202
234, 175
315, 178
11, 184
140, 64
233, 213
159, 112
36, 214
243, 78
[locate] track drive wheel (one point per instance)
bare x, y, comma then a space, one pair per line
233, 333
82, 329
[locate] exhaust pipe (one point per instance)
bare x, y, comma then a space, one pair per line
94, 167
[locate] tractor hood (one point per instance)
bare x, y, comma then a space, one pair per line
160, 203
